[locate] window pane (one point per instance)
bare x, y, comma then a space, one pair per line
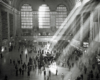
61, 15
44, 16
26, 16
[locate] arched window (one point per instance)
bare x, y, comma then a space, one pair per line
61, 15
44, 16
26, 17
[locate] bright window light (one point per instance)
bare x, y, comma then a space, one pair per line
78, 3
26, 17
61, 15
85, 1
44, 16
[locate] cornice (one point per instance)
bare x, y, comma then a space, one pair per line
9, 7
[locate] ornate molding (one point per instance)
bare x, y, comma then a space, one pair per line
8, 6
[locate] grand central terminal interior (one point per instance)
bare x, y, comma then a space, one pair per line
49, 40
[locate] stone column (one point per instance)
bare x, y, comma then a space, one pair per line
99, 22
18, 27
0, 30
8, 26
14, 23
35, 19
53, 20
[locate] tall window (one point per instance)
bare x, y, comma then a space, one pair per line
44, 16
26, 17
61, 15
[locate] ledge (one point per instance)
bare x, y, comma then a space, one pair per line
8, 6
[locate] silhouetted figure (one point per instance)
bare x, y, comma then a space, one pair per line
14, 62
16, 72
82, 76
25, 66
18, 61
49, 75
20, 71
97, 76
62, 76
85, 70
1, 55
28, 73
21, 61
91, 74
44, 73
56, 72
93, 66
10, 61
26, 56
6, 78
20, 56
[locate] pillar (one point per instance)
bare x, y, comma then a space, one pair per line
53, 20
35, 19
8, 26
14, 23
99, 22
0, 30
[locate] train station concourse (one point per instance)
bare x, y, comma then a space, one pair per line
49, 39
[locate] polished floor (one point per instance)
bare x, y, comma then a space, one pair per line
9, 70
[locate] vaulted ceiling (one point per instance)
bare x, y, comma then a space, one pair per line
51, 3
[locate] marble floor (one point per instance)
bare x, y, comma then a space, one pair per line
8, 69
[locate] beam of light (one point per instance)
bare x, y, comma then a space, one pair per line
42, 12
68, 21
85, 28
72, 26
89, 49
68, 17
68, 31
78, 3
63, 30
89, 53
85, 57
53, 68
63, 24
76, 36
85, 1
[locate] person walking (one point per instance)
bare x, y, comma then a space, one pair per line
16, 72
56, 72
20, 71
44, 74
6, 77
49, 75
62, 76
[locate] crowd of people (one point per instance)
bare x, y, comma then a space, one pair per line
39, 62
87, 65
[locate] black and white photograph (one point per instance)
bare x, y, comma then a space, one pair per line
49, 39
